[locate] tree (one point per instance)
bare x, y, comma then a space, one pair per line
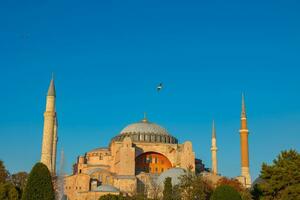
167, 193
245, 194
194, 187
225, 192
135, 197
3, 173
19, 179
153, 190
231, 182
176, 192
39, 184
291, 192
114, 197
281, 179
8, 192
256, 192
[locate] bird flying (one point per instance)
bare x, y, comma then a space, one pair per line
159, 87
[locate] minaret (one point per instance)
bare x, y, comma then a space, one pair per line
48, 132
54, 148
214, 150
244, 132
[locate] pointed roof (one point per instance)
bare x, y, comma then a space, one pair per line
51, 90
213, 129
243, 114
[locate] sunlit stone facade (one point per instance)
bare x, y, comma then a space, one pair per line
136, 159
141, 152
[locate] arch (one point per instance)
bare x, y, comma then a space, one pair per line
152, 162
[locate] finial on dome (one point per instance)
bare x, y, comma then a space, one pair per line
145, 120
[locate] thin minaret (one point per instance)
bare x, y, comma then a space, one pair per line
54, 148
244, 132
214, 149
49, 130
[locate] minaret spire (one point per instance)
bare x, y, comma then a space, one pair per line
51, 90
214, 149
50, 130
244, 132
213, 129
243, 114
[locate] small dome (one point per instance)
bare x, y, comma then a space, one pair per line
106, 188
99, 149
94, 170
144, 127
174, 173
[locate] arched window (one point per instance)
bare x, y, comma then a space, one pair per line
152, 138
147, 138
152, 162
141, 137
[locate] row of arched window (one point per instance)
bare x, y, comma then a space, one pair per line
149, 138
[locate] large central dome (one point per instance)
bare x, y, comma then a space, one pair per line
144, 127
145, 131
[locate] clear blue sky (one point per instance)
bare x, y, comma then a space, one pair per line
108, 58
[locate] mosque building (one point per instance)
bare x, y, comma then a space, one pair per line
139, 158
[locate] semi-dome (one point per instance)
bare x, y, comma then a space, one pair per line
144, 126
145, 131
174, 173
106, 188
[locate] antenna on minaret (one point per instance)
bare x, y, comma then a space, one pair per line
243, 107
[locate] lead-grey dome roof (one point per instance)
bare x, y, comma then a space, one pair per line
145, 131
174, 173
106, 188
144, 126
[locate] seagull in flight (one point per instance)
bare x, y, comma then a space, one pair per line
159, 87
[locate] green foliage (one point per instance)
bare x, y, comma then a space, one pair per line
111, 197
121, 197
19, 179
167, 193
246, 195
291, 192
3, 173
225, 192
231, 182
8, 192
281, 179
136, 197
256, 192
176, 192
39, 184
194, 187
